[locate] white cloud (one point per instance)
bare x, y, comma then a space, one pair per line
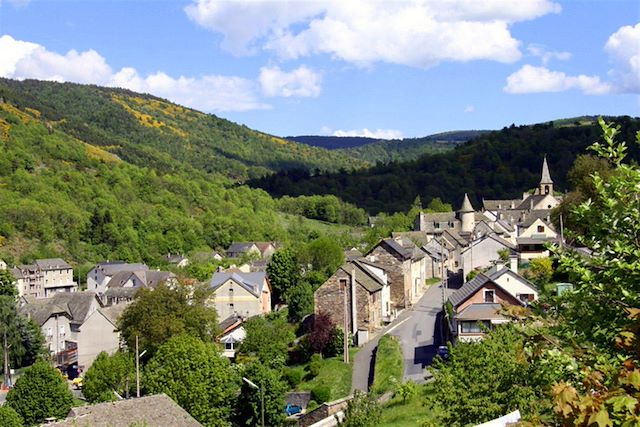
530, 79
301, 82
469, 109
546, 55
22, 60
377, 134
418, 33
624, 49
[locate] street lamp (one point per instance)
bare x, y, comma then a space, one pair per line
261, 390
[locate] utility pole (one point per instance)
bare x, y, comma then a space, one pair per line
7, 372
561, 232
138, 356
345, 349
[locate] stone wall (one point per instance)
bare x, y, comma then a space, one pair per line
330, 298
398, 275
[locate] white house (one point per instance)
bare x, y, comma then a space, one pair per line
101, 274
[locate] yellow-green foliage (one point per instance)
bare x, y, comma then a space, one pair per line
99, 153
33, 112
5, 127
389, 365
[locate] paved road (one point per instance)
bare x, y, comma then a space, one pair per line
420, 334
415, 328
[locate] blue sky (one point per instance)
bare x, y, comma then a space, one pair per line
349, 67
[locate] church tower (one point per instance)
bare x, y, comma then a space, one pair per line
546, 183
467, 215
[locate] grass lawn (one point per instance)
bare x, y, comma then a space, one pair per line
334, 374
389, 365
396, 413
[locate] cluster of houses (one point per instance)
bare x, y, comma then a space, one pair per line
368, 290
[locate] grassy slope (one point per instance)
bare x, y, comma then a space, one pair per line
389, 366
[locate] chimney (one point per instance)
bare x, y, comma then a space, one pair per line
513, 263
499, 264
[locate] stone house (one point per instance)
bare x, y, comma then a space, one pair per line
241, 294
74, 326
363, 287
101, 274
405, 265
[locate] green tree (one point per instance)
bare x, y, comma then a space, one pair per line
41, 392
195, 375
323, 254
158, 314
9, 417
283, 273
608, 283
540, 271
7, 284
362, 411
24, 337
109, 374
268, 340
300, 301
249, 405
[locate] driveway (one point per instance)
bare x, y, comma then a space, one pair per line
415, 328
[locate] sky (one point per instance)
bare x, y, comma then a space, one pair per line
378, 68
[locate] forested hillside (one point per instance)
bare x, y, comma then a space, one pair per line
499, 164
148, 131
62, 196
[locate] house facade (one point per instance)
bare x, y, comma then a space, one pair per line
358, 290
241, 294
44, 278
101, 274
483, 252
405, 266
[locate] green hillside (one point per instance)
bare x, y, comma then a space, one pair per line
62, 196
149, 131
500, 164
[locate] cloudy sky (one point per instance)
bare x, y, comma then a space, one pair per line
377, 68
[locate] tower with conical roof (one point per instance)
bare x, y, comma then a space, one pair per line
467, 216
546, 183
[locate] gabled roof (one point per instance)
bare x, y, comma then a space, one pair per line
252, 282
365, 277
152, 411
241, 247
530, 202
352, 254
482, 311
493, 205
471, 287
52, 264
74, 305
491, 236
109, 268
405, 248
533, 216
496, 273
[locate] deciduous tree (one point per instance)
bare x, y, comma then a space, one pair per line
109, 374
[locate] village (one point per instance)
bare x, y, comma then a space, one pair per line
464, 263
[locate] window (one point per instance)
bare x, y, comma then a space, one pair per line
541, 229
343, 283
474, 327
49, 332
489, 296
228, 346
231, 306
525, 297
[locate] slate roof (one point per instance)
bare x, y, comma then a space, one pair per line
109, 268
533, 216
352, 254
240, 247
252, 282
151, 411
149, 278
494, 273
75, 304
546, 176
52, 264
365, 277
531, 201
405, 248
113, 312
494, 205
482, 311
470, 288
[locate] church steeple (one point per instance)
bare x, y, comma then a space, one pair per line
546, 183
467, 215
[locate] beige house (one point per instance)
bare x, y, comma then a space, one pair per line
44, 278
74, 326
360, 288
241, 294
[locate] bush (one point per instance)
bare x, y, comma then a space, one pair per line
9, 417
312, 405
321, 394
293, 377
335, 347
315, 365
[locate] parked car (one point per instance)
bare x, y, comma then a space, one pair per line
292, 409
443, 352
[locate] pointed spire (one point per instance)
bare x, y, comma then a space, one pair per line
466, 204
546, 176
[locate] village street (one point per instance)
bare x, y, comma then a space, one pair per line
415, 329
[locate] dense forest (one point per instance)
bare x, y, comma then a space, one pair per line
63, 196
151, 132
500, 164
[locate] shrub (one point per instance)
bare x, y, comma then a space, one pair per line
315, 365
293, 377
321, 394
9, 417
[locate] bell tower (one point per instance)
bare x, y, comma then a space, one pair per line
546, 183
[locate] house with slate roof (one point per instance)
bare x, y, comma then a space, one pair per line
123, 285
74, 327
364, 286
405, 265
484, 251
242, 294
44, 278
157, 410
101, 274
477, 305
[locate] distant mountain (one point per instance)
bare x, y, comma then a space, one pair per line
332, 142
149, 131
498, 164
372, 150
